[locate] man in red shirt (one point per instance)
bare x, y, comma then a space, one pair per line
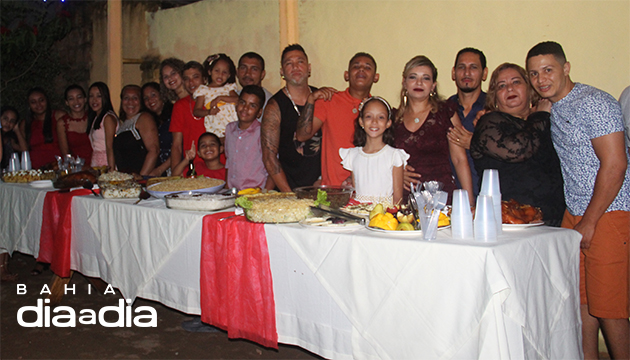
335, 113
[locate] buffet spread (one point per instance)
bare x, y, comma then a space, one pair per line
372, 255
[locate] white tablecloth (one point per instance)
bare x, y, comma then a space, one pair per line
343, 295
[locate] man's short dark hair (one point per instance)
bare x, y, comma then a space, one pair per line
255, 90
292, 47
252, 55
362, 54
482, 57
548, 48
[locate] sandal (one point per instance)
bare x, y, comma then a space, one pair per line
40, 267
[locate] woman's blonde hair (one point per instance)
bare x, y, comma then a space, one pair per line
491, 97
434, 99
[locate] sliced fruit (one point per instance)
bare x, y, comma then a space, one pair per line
249, 191
443, 220
405, 227
378, 209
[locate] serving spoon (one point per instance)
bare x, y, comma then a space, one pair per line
87, 184
143, 196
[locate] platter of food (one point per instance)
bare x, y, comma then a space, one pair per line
117, 185
360, 209
199, 201
332, 224
275, 207
516, 216
27, 176
199, 184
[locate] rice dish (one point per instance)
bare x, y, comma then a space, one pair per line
123, 190
278, 208
187, 184
114, 176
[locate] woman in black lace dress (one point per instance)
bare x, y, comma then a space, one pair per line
515, 138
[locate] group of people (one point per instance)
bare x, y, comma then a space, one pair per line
558, 145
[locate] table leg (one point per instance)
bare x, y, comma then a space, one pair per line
57, 288
98, 284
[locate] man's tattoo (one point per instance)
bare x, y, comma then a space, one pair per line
305, 122
270, 138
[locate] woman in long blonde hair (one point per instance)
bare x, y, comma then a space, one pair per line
421, 124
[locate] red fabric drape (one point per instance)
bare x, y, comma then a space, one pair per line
236, 284
54, 241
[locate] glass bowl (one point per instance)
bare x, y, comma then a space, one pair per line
337, 195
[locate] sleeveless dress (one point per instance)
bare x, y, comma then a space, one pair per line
301, 161
129, 150
78, 143
43, 153
99, 147
428, 147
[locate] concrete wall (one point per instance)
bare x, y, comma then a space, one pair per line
595, 35
232, 27
135, 46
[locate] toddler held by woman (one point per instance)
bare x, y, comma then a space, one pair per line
215, 102
377, 167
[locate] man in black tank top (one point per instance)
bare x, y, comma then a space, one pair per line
289, 162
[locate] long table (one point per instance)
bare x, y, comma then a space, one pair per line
342, 295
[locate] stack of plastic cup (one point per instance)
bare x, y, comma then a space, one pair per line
14, 163
461, 216
26, 161
485, 222
490, 186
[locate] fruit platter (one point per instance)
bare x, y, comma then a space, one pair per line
399, 218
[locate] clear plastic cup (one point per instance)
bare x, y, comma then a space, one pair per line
14, 163
490, 186
490, 182
485, 228
461, 216
26, 161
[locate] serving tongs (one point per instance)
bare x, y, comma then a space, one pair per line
318, 210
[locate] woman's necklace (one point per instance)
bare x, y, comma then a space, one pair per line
422, 114
293, 102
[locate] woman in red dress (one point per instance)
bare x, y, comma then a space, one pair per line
40, 128
421, 124
72, 127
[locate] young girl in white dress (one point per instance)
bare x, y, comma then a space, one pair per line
215, 102
377, 167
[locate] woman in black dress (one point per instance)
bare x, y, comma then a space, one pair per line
136, 145
515, 138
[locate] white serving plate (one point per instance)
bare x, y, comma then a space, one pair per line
162, 194
520, 226
40, 184
329, 227
199, 201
